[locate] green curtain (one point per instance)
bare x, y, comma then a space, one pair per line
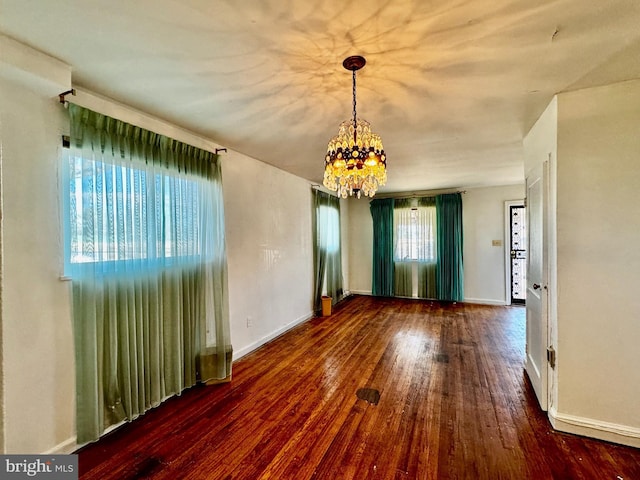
450, 273
327, 252
145, 249
383, 271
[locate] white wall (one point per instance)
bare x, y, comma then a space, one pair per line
360, 245
269, 250
483, 221
38, 354
598, 266
268, 218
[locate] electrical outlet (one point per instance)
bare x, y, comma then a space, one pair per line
249, 322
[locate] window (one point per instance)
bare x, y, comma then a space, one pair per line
415, 233
414, 250
145, 250
329, 216
118, 212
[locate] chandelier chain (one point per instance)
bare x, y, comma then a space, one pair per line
354, 106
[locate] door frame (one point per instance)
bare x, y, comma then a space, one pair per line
507, 245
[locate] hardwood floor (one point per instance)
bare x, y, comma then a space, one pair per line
454, 403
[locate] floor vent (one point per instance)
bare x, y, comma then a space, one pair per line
370, 395
442, 358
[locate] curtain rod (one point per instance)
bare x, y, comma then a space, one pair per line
320, 188
430, 193
189, 141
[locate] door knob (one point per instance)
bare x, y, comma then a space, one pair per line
536, 286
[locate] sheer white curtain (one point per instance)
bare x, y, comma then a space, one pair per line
415, 247
427, 235
404, 246
145, 250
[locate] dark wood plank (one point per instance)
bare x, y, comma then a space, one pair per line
454, 404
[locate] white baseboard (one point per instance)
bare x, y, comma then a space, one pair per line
482, 301
588, 427
64, 448
485, 301
237, 354
360, 292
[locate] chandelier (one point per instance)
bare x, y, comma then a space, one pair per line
355, 161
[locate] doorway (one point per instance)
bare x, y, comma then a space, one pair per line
516, 252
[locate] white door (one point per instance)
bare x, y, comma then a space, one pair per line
537, 318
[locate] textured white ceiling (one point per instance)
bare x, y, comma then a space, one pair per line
452, 86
